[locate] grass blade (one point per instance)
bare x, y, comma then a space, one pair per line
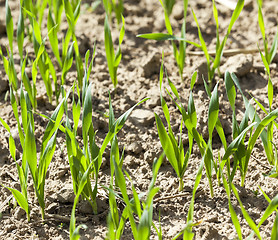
245, 214
160, 36
21, 201
237, 11
53, 39
20, 34
269, 210
9, 26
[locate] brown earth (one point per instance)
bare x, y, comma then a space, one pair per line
138, 78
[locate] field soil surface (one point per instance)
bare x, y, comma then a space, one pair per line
138, 78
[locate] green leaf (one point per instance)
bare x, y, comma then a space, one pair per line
167, 20
20, 34
230, 89
196, 184
12, 147
9, 26
237, 11
15, 111
122, 32
23, 106
53, 39
69, 13
169, 4
30, 151
173, 88
270, 92
213, 111
235, 143
260, 127
166, 144
53, 124
203, 44
122, 119
67, 63
46, 159
231, 209
193, 79
274, 233
12, 73
21, 200
87, 116
160, 36
145, 224
109, 49
74, 234
191, 110
76, 110
273, 49
37, 31
269, 210
265, 62
245, 214
261, 20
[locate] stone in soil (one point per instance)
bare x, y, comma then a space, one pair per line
240, 64
143, 117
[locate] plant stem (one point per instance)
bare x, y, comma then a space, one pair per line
181, 184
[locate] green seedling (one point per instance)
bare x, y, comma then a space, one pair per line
44, 62
57, 10
212, 66
113, 60
116, 6
187, 231
115, 227
239, 131
158, 229
267, 58
274, 172
190, 121
273, 204
172, 147
9, 67
231, 208
72, 11
9, 26
271, 208
28, 144
269, 54
20, 34
133, 206
67, 63
38, 169
202, 45
9, 63
81, 158
180, 53
242, 150
53, 38
229, 187
36, 8
21, 197
74, 231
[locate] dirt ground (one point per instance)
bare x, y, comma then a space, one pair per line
138, 78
